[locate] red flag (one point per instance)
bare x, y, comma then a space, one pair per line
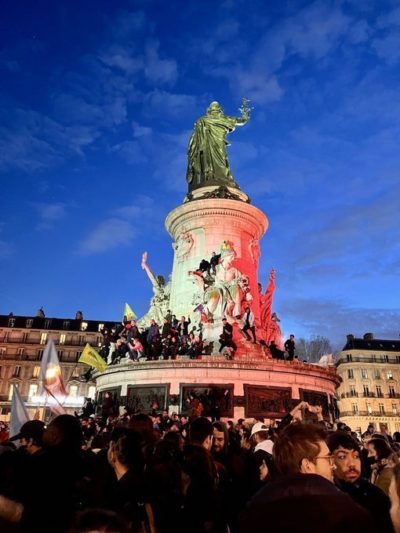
269, 320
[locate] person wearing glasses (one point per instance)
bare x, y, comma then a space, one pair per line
302, 496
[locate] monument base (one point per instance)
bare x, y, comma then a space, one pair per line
213, 386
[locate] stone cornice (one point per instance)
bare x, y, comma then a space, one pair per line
181, 215
217, 363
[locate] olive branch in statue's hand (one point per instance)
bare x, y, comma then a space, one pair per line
245, 109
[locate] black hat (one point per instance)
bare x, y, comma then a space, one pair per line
33, 429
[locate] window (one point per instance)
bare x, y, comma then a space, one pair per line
100, 328
43, 338
40, 354
3, 351
398, 359
29, 322
353, 390
379, 391
385, 358
373, 358
366, 390
21, 351
33, 388
36, 371
47, 323
84, 326
76, 373
381, 409
354, 407
392, 392
60, 353
73, 390
350, 373
389, 374
377, 374
92, 392
349, 358
66, 324
364, 373
11, 322
81, 340
17, 372
369, 408
62, 338
394, 408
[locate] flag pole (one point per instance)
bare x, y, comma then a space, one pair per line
56, 399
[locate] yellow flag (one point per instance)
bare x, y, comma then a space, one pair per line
130, 315
92, 358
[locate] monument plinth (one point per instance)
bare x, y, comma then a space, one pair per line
199, 228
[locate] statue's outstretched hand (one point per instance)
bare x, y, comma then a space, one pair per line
245, 109
144, 260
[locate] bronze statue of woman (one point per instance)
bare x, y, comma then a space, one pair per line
207, 157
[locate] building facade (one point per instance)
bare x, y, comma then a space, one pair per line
22, 342
370, 389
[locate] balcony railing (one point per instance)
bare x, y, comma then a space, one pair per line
350, 395
359, 359
393, 395
37, 342
366, 413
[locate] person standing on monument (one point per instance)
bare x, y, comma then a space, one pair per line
226, 337
207, 157
290, 347
248, 320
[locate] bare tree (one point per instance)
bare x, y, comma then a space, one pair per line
312, 349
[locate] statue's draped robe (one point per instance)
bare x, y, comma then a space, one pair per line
207, 158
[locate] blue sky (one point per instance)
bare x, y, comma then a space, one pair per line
97, 103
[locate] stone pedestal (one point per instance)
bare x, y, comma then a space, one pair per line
199, 227
255, 387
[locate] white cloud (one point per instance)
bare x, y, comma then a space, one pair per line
335, 320
140, 131
49, 214
131, 151
157, 70
169, 104
123, 59
313, 32
110, 233
388, 47
142, 207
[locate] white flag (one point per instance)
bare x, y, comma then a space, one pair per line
52, 380
19, 413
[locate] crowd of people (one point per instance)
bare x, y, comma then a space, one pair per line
170, 473
176, 337
130, 342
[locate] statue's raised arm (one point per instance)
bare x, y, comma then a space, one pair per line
207, 158
146, 268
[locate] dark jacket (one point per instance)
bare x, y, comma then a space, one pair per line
371, 498
304, 503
